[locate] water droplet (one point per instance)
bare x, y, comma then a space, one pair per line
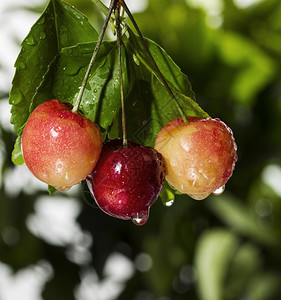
22, 65
219, 191
170, 203
30, 41
63, 188
174, 163
72, 69
140, 218
17, 97
42, 36
136, 60
41, 21
199, 196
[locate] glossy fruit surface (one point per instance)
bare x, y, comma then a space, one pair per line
199, 155
127, 180
60, 147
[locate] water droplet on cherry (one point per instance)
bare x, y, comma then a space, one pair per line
140, 218
219, 191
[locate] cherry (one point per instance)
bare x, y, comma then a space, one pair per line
60, 147
127, 180
199, 155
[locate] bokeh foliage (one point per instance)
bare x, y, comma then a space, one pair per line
222, 248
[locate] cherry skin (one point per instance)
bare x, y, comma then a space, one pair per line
199, 155
60, 147
127, 180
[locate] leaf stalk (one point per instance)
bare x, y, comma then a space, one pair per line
119, 41
78, 100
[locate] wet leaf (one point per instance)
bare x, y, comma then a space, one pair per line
101, 99
149, 105
167, 66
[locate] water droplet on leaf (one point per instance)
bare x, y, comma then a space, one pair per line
17, 97
22, 65
72, 69
30, 41
42, 36
41, 21
219, 191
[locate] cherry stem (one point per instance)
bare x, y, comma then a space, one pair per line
92, 61
119, 40
162, 78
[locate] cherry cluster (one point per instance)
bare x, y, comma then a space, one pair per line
62, 147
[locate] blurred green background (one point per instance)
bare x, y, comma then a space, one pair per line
222, 248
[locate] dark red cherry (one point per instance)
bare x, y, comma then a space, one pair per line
127, 180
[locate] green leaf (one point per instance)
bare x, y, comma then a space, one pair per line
149, 105
214, 252
239, 217
101, 99
59, 26
17, 157
167, 66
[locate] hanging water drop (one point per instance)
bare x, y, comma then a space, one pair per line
140, 218
169, 203
219, 191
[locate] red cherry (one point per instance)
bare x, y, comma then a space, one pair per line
127, 180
